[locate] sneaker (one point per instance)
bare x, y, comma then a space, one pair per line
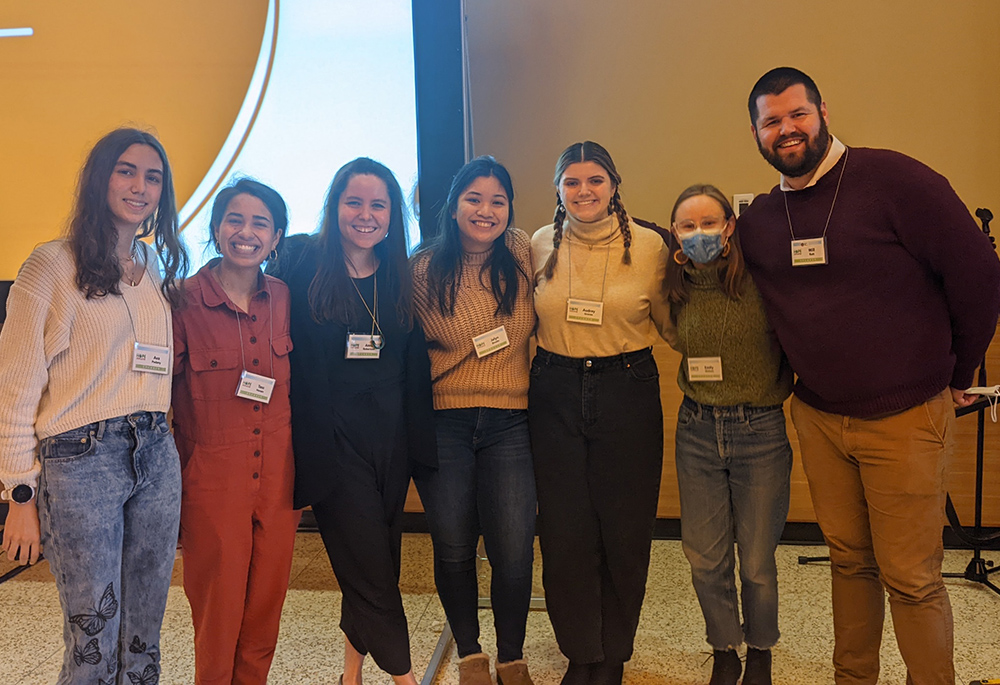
474, 670
727, 667
513, 673
758, 670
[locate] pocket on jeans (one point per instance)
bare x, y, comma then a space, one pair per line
768, 423
536, 368
685, 415
644, 370
68, 446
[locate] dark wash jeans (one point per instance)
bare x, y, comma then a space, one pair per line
109, 505
484, 484
597, 437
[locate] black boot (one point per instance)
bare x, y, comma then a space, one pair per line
576, 674
727, 667
607, 673
758, 667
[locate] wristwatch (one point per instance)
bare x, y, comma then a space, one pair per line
19, 494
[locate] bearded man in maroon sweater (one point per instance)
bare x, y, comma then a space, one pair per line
884, 295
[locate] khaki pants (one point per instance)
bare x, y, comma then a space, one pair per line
878, 489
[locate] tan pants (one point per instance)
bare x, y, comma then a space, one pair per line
878, 489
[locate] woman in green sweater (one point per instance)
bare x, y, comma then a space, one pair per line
732, 452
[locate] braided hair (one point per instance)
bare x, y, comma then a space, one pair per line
588, 151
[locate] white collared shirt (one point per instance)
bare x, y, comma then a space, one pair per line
833, 156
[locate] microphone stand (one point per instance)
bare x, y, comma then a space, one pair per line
978, 569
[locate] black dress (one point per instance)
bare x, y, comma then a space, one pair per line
357, 425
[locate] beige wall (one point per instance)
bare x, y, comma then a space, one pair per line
663, 85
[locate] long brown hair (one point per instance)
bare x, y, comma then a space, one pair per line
588, 151
732, 268
93, 237
331, 295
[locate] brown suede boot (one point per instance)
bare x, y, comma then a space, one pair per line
513, 673
474, 670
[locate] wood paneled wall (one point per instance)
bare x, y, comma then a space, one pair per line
961, 474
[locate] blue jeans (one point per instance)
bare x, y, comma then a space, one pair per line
733, 469
484, 483
109, 508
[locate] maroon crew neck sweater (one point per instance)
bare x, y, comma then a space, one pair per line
907, 304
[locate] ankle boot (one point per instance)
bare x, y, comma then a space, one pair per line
758, 667
513, 673
607, 673
576, 674
474, 670
727, 667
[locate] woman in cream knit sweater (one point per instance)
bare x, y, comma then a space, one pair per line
472, 294
85, 362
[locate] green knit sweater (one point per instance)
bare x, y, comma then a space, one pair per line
754, 369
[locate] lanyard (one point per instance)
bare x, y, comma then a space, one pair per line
374, 315
128, 310
784, 196
270, 322
607, 257
722, 333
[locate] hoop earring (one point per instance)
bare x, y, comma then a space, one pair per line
726, 249
274, 255
681, 258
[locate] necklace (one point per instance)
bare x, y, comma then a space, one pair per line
133, 255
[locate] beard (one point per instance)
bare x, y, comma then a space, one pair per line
813, 155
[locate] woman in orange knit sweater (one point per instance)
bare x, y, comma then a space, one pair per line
473, 296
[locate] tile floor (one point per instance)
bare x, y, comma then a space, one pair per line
670, 649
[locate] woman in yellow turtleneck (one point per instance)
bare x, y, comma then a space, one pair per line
594, 412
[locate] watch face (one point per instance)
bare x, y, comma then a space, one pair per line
22, 494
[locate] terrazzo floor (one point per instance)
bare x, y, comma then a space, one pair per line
670, 648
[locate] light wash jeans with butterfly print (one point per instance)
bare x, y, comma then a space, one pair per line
109, 506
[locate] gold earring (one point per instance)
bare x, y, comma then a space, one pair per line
681, 258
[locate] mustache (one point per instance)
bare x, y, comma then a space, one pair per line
791, 136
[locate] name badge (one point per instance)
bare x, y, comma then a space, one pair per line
151, 359
704, 368
254, 387
491, 341
809, 252
363, 346
585, 311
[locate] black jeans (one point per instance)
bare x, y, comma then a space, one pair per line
597, 437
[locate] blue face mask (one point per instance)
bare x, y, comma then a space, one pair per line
703, 247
